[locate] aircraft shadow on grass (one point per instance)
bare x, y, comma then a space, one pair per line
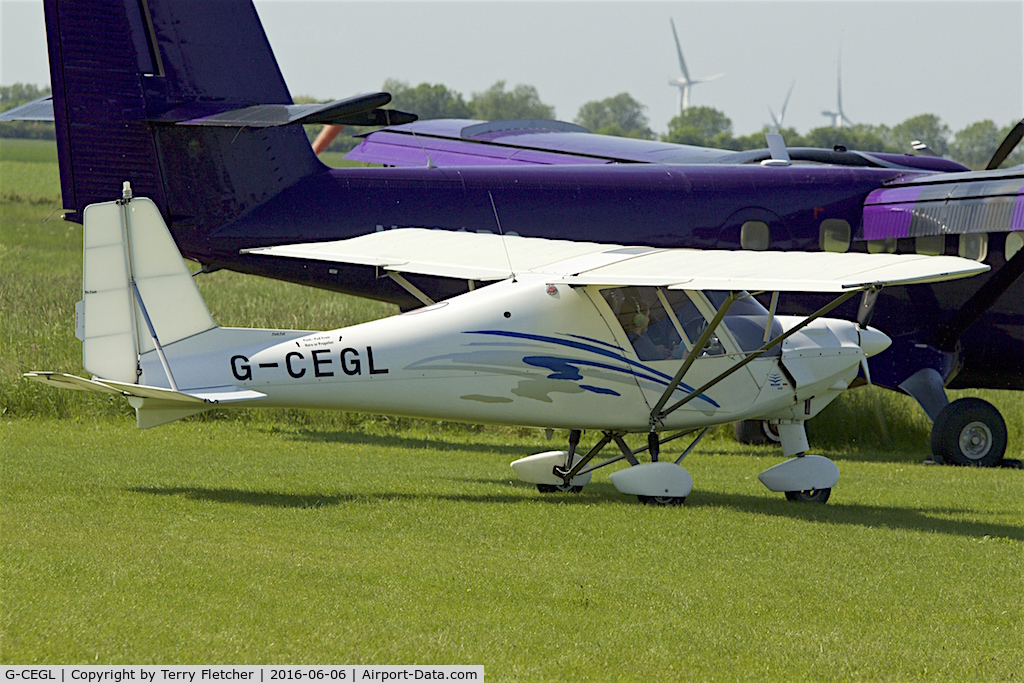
257, 498
404, 442
870, 516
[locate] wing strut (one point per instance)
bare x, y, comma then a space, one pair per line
659, 412
411, 288
698, 346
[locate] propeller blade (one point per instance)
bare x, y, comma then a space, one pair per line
1009, 144
883, 425
946, 337
867, 307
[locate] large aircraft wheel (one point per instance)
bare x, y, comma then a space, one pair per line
809, 496
756, 432
969, 431
662, 500
558, 488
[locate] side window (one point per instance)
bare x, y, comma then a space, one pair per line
754, 235
973, 245
834, 235
884, 246
931, 245
654, 332
1014, 242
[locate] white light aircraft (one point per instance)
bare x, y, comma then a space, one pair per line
569, 335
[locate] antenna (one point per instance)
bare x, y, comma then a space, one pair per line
501, 232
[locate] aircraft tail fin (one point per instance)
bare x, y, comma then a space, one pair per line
138, 298
137, 293
128, 76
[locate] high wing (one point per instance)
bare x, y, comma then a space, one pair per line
464, 142
488, 257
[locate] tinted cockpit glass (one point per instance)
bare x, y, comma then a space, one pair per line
660, 324
746, 320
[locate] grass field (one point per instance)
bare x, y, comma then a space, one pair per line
291, 537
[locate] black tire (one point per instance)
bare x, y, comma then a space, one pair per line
969, 431
662, 500
819, 496
755, 432
558, 488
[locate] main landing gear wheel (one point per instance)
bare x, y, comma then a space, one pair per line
558, 488
662, 500
969, 431
755, 432
809, 496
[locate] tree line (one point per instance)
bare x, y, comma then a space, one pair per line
624, 116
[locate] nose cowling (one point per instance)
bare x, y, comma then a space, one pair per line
872, 341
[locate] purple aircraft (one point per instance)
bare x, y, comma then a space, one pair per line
184, 99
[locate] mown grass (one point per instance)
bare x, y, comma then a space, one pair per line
221, 542
291, 536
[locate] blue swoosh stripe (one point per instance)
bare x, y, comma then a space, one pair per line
649, 373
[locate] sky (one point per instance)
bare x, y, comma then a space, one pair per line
963, 61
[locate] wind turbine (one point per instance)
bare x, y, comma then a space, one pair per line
684, 82
839, 118
776, 125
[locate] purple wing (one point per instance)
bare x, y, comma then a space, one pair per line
461, 142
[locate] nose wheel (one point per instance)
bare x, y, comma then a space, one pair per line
810, 496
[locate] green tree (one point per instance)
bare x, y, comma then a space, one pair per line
1017, 157
620, 115
497, 104
928, 128
701, 126
426, 100
974, 145
861, 137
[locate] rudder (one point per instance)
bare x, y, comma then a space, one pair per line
137, 293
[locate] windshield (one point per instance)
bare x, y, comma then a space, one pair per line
746, 320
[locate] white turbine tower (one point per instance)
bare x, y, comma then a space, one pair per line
684, 82
838, 117
776, 124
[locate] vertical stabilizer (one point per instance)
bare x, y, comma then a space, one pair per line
127, 73
137, 293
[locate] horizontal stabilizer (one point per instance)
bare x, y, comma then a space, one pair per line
36, 110
476, 256
71, 382
360, 110
205, 395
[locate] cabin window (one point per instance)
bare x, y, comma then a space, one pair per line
755, 236
834, 235
660, 324
886, 246
1014, 242
930, 245
973, 245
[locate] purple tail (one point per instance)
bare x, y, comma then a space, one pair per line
132, 82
